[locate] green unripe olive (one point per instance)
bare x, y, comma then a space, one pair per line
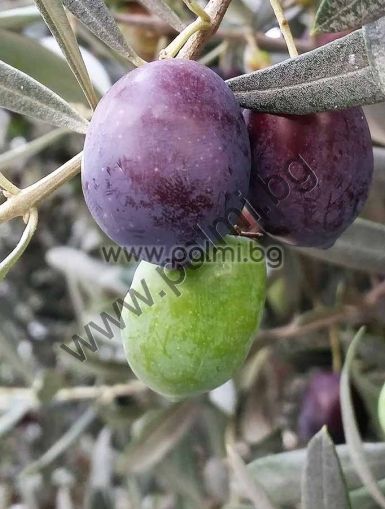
199, 323
381, 408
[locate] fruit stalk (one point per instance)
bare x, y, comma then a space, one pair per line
216, 9
285, 28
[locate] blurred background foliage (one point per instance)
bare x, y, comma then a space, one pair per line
89, 434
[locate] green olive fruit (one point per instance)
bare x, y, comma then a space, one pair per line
381, 408
196, 325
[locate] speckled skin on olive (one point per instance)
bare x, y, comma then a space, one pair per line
381, 408
191, 343
310, 174
167, 149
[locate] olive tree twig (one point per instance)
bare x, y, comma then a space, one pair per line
285, 28
216, 9
157, 26
348, 313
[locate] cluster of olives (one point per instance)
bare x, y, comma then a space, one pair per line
169, 162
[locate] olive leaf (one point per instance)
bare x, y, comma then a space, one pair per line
98, 19
338, 15
323, 483
56, 19
280, 474
252, 489
353, 439
14, 415
361, 498
159, 436
18, 17
164, 11
64, 442
22, 94
40, 63
22, 152
344, 73
360, 247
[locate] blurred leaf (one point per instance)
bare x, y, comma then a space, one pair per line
23, 94
64, 442
18, 17
163, 10
56, 19
353, 439
375, 115
159, 436
100, 489
180, 479
40, 63
339, 15
48, 384
379, 165
97, 18
251, 487
338, 75
14, 415
323, 484
360, 247
361, 499
280, 474
23, 152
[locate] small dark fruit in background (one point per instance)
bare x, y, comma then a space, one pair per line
167, 150
310, 174
321, 406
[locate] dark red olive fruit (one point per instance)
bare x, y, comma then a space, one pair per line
166, 156
321, 406
310, 174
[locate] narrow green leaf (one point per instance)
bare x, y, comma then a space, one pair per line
163, 10
338, 15
353, 439
23, 152
280, 474
40, 63
361, 498
339, 75
159, 436
22, 94
64, 442
99, 20
251, 488
323, 483
375, 115
361, 247
18, 17
56, 19
14, 415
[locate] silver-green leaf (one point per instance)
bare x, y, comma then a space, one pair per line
323, 483
99, 20
159, 436
164, 11
338, 15
23, 152
360, 247
22, 94
353, 439
344, 73
280, 474
56, 19
25, 53
18, 17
